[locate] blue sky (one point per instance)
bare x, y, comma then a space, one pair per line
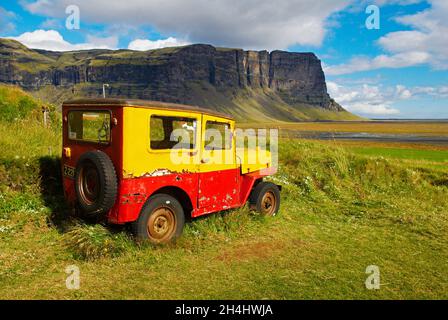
397, 71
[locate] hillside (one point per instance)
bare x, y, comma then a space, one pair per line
251, 85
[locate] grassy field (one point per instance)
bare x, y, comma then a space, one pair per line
409, 154
412, 153
343, 209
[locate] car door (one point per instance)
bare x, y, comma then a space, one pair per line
219, 173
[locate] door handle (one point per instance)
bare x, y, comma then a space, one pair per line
193, 153
205, 160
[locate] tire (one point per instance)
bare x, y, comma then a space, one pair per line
95, 184
265, 198
161, 220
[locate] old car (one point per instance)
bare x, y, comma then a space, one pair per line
154, 165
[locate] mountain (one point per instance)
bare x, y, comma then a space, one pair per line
251, 85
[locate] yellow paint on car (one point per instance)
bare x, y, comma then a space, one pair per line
140, 160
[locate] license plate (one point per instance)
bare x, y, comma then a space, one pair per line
69, 172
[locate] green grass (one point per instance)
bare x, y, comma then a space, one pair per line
15, 104
400, 153
341, 212
313, 114
27, 140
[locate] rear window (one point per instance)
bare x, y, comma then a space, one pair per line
89, 126
172, 133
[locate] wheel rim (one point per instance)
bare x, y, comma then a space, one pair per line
268, 203
161, 224
89, 182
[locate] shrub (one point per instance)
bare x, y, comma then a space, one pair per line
90, 242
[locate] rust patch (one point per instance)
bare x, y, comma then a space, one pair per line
133, 198
156, 173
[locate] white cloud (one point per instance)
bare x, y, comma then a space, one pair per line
365, 108
365, 100
402, 92
435, 92
53, 41
144, 44
255, 24
379, 100
430, 34
427, 43
399, 60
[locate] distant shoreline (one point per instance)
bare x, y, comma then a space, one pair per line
411, 120
379, 121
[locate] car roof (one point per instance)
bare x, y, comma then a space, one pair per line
98, 103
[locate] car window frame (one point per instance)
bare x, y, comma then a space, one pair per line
158, 115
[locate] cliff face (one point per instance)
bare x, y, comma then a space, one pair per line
195, 74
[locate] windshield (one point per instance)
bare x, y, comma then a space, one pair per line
90, 126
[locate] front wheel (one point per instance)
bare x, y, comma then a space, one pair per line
265, 198
161, 220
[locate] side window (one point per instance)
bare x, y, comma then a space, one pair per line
90, 126
218, 136
172, 132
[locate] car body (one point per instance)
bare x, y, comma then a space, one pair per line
137, 137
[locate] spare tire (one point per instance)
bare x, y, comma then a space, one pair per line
95, 183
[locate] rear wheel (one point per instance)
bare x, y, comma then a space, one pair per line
161, 220
265, 198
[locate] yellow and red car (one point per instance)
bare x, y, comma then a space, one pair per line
153, 164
